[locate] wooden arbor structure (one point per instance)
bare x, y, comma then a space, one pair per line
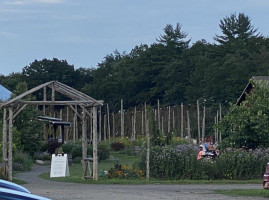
76, 98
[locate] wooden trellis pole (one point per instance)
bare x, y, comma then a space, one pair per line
217, 121
148, 151
174, 122
189, 128
198, 121
95, 144
220, 120
134, 124
84, 141
181, 120
142, 123
146, 118
108, 123
122, 119
159, 115
105, 132
100, 124
4, 147
10, 141
169, 120
203, 126
113, 123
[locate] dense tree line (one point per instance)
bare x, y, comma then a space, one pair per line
170, 69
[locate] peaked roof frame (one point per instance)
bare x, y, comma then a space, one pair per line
78, 98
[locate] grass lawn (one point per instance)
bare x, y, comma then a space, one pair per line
245, 192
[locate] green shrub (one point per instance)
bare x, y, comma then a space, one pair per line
42, 156
180, 162
117, 146
23, 161
76, 151
68, 146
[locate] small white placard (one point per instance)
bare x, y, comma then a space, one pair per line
59, 166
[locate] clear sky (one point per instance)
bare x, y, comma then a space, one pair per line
83, 32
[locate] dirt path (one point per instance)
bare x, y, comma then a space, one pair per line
74, 191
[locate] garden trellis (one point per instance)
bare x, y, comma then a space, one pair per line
83, 106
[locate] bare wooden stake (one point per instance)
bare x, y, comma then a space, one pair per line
203, 126
4, 147
122, 120
174, 122
169, 120
198, 121
134, 135
142, 123
10, 144
181, 120
84, 141
105, 131
108, 123
159, 115
100, 124
220, 120
148, 151
145, 107
95, 145
113, 125
189, 127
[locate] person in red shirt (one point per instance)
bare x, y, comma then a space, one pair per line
199, 156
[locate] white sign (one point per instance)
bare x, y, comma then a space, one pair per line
59, 166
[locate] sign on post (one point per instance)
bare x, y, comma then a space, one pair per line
59, 166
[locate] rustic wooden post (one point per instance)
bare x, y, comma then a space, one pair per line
4, 147
142, 123
174, 122
169, 120
181, 120
74, 126
10, 143
215, 131
145, 107
122, 119
162, 125
217, 121
84, 142
67, 119
100, 124
113, 123
95, 156
105, 132
132, 131
61, 117
148, 151
189, 128
198, 122
134, 123
159, 115
108, 123
203, 126
220, 120
91, 127
44, 112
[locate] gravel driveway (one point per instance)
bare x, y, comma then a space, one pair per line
75, 191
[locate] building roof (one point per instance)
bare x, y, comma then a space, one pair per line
262, 80
5, 94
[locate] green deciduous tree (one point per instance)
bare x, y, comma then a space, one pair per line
248, 124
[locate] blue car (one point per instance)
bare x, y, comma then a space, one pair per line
12, 191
